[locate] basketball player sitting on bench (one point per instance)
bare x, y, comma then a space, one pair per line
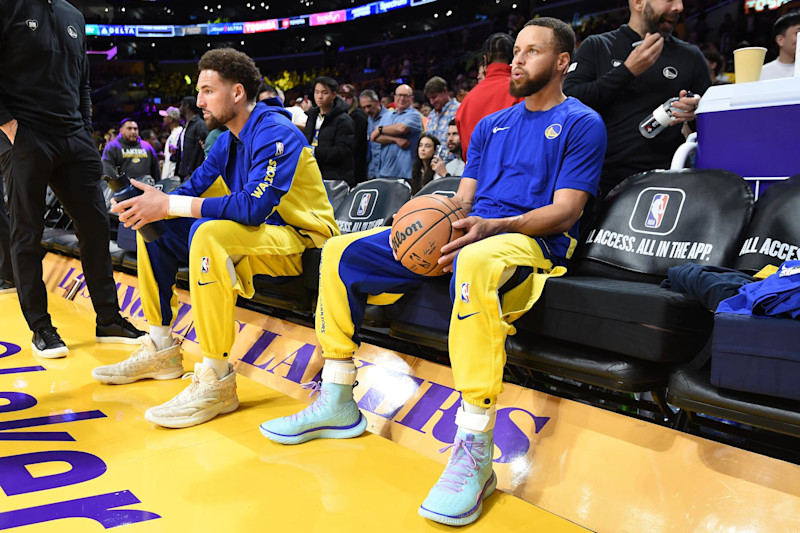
530, 170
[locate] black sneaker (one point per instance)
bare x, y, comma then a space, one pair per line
120, 332
48, 344
7, 286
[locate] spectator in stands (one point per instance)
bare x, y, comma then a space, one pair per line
211, 138
275, 209
195, 131
306, 104
329, 130
299, 116
785, 33
398, 133
421, 172
525, 188
360, 129
387, 102
371, 105
267, 92
715, 63
444, 108
626, 73
6, 270
456, 166
151, 137
491, 94
172, 124
45, 116
134, 156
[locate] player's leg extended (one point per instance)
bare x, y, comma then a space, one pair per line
355, 269
159, 356
479, 324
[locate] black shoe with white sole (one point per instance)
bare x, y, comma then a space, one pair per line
120, 332
7, 286
48, 344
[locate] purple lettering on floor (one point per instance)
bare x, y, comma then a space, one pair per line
511, 440
427, 406
299, 363
42, 421
101, 508
9, 349
258, 347
16, 479
17, 401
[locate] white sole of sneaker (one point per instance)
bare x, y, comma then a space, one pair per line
466, 518
124, 380
53, 353
118, 340
327, 433
189, 421
4, 291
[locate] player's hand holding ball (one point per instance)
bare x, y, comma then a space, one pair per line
421, 228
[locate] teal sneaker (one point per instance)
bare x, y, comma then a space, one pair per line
333, 415
457, 498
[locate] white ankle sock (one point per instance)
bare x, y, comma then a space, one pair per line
340, 371
220, 366
162, 336
475, 419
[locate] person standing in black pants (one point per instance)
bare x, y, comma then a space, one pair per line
6, 272
45, 119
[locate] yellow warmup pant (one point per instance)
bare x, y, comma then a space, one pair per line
357, 269
223, 256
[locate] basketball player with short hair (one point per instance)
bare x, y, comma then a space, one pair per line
530, 170
252, 207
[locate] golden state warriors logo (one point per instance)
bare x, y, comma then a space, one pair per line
552, 131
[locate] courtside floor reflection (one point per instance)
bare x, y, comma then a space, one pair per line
84, 449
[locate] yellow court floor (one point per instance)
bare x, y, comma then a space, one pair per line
71, 447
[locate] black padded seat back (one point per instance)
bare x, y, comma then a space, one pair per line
773, 235
442, 186
659, 219
167, 185
372, 204
337, 191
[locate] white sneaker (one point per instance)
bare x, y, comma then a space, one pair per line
146, 362
201, 401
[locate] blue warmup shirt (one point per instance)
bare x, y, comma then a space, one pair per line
520, 158
777, 295
271, 174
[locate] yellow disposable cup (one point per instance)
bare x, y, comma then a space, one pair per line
747, 63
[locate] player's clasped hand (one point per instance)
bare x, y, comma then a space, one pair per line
151, 206
477, 228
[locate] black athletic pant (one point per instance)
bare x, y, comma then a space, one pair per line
6, 272
71, 166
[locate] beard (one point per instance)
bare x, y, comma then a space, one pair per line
654, 22
213, 122
528, 86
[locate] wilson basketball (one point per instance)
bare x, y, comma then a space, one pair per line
421, 227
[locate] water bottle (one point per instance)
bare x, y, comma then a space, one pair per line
123, 190
660, 118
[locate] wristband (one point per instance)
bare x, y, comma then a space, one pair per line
180, 206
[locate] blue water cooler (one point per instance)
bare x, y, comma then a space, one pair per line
752, 129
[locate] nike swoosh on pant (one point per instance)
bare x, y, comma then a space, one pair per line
206, 283
460, 317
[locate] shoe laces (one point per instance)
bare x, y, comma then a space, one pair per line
49, 335
320, 401
463, 463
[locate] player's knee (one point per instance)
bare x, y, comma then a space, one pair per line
204, 233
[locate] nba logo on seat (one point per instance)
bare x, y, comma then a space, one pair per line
362, 207
205, 263
363, 204
465, 293
657, 209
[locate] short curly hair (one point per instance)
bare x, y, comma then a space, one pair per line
234, 66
